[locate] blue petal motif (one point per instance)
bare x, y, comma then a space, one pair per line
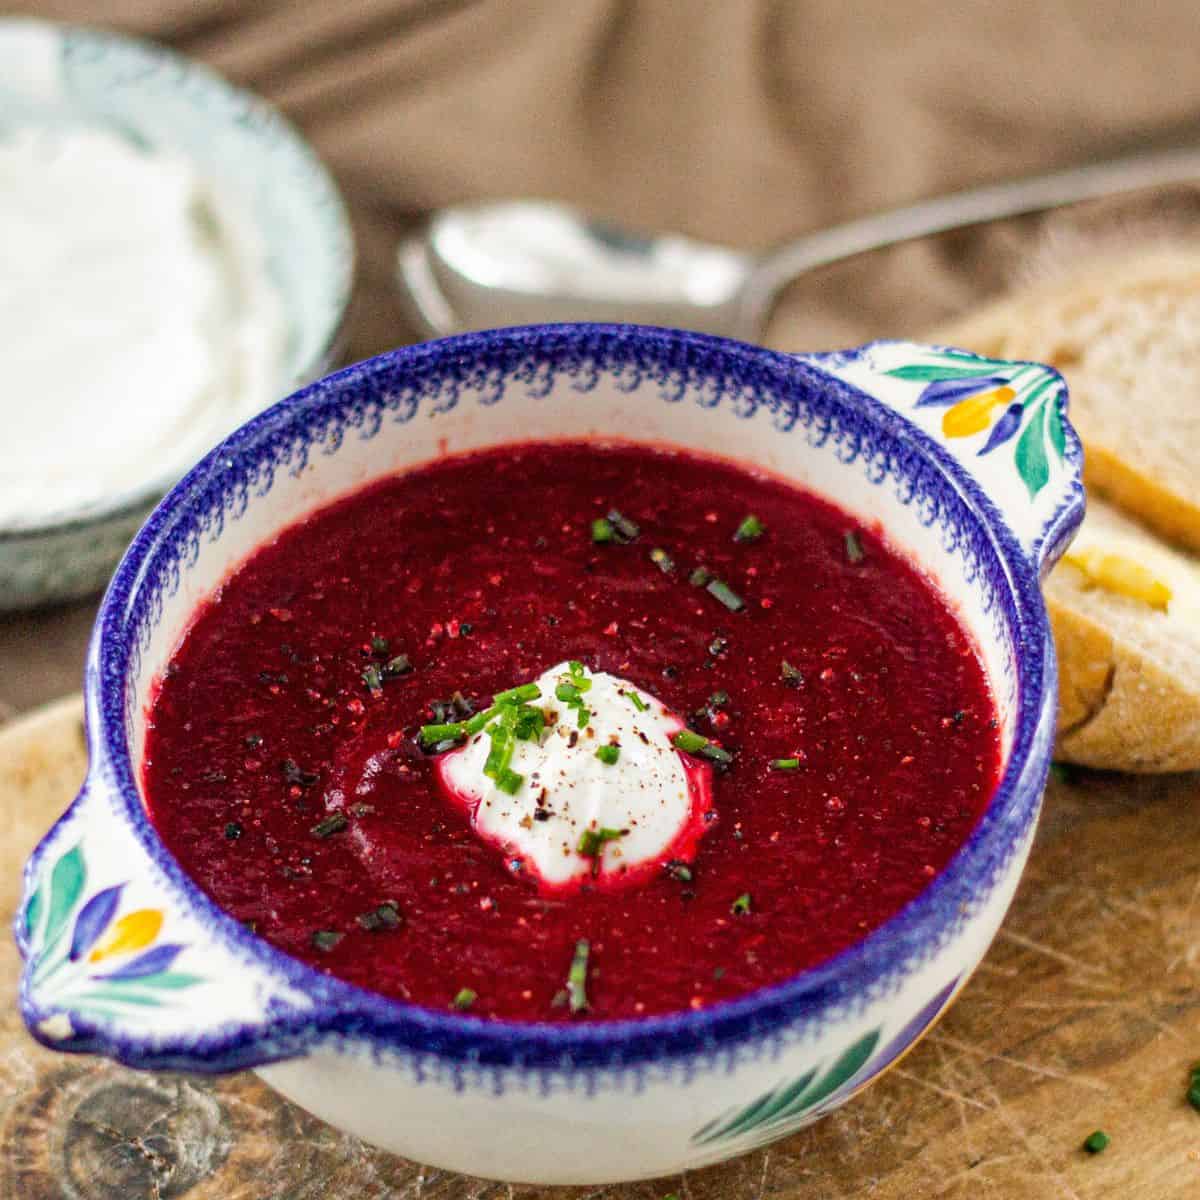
1004, 428
150, 963
93, 920
944, 392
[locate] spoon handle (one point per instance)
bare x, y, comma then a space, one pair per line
959, 210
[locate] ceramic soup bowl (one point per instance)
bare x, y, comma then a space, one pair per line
970, 466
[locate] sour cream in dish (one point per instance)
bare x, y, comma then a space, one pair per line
137, 321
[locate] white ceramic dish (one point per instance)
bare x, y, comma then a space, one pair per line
55, 74
968, 463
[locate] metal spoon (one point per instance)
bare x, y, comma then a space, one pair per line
527, 261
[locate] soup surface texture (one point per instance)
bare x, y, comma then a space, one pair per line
286, 770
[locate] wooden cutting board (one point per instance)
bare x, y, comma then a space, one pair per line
1084, 1015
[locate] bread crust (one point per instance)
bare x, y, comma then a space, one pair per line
1119, 709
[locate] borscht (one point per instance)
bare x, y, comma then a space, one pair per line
570, 731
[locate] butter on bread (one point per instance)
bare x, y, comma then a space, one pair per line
1125, 610
1124, 602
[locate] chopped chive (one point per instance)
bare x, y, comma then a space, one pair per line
508, 780
501, 751
636, 701
699, 577
575, 666
608, 754
679, 870
624, 528
334, 823
379, 646
400, 665
785, 764
524, 693
479, 720
750, 530
1097, 1142
385, 916
568, 693
463, 999
592, 841
372, 678
440, 733
854, 549
603, 531
326, 939
662, 560
741, 906
577, 978
233, 831
585, 715
530, 724
691, 742
790, 675
725, 594
718, 646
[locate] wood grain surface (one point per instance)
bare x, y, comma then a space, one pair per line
1085, 1014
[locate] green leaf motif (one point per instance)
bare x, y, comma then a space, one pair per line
770, 1115
66, 886
117, 996
768, 1106
934, 372
844, 1069
1030, 456
170, 981
1058, 436
33, 912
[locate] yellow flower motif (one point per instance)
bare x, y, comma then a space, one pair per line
974, 414
133, 931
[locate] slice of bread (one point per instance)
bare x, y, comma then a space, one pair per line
1125, 610
1124, 328
1125, 331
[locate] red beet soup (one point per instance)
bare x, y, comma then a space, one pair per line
817, 737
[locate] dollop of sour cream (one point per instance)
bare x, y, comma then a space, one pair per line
575, 817
137, 321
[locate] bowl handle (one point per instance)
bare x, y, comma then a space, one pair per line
1004, 423
117, 961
